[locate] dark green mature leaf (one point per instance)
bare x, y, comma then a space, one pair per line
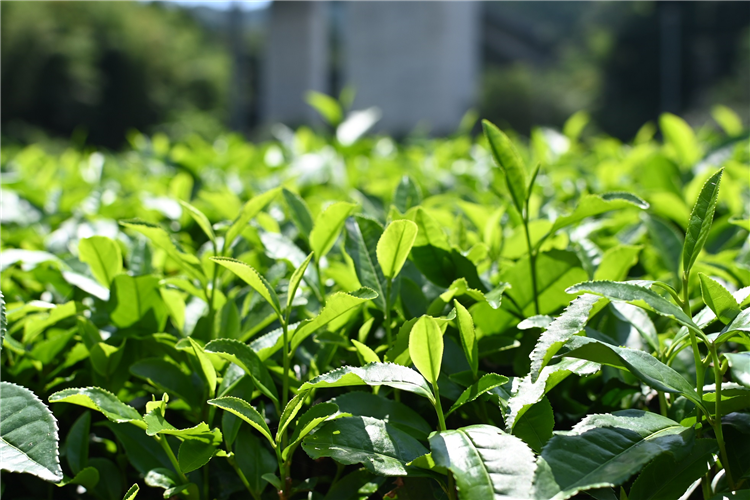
109, 486
28, 434
197, 451
718, 299
328, 226
481, 386
605, 450
254, 459
486, 462
358, 485
640, 321
362, 236
246, 412
594, 204
700, 221
103, 257
570, 322
736, 430
645, 367
167, 376
740, 364
200, 219
249, 210
391, 375
632, 291
367, 404
309, 421
245, 357
77, 443
666, 478
252, 278
394, 246
380, 447
667, 241
426, 347
505, 155
102, 401
536, 425
407, 194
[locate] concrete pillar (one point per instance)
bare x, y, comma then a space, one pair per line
417, 61
296, 60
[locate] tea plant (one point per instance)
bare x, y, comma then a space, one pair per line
447, 319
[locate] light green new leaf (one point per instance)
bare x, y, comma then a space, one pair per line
632, 291
328, 226
718, 299
159, 237
295, 280
132, 492
336, 305
605, 451
28, 434
290, 411
509, 161
103, 257
327, 106
594, 204
133, 298
249, 210
740, 364
380, 447
362, 236
102, 401
482, 386
469, 340
616, 262
569, 323
666, 478
299, 212
252, 278
645, 367
394, 246
486, 462
243, 356
700, 221
200, 219
678, 134
209, 372
426, 347
367, 354
246, 412
407, 194
388, 374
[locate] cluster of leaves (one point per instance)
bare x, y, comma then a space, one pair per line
452, 318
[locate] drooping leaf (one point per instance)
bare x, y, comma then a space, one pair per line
28, 434
253, 278
700, 222
328, 226
246, 412
740, 364
569, 323
245, 357
630, 291
718, 299
200, 219
645, 367
506, 157
606, 450
486, 462
394, 246
488, 382
249, 210
594, 204
667, 478
380, 447
391, 375
469, 340
102, 401
426, 347
103, 257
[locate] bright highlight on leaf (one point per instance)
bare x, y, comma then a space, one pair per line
394, 246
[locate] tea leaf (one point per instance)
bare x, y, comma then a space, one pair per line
481, 386
299, 212
701, 218
594, 204
200, 219
469, 340
102, 401
246, 412
249, 210
327, 228
246, 358
250, 276
426, 347
103, 257
506, 157
718, 299
394, 246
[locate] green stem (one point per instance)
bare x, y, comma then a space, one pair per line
213, 293
162, 440
283, 473
662, 404
388, 333
532, 259
699, 370
285, 378
441, 424
321, 283
242, 477
717, 417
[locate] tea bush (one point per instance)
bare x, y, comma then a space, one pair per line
345, 317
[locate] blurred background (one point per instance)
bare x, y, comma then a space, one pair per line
93, 71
